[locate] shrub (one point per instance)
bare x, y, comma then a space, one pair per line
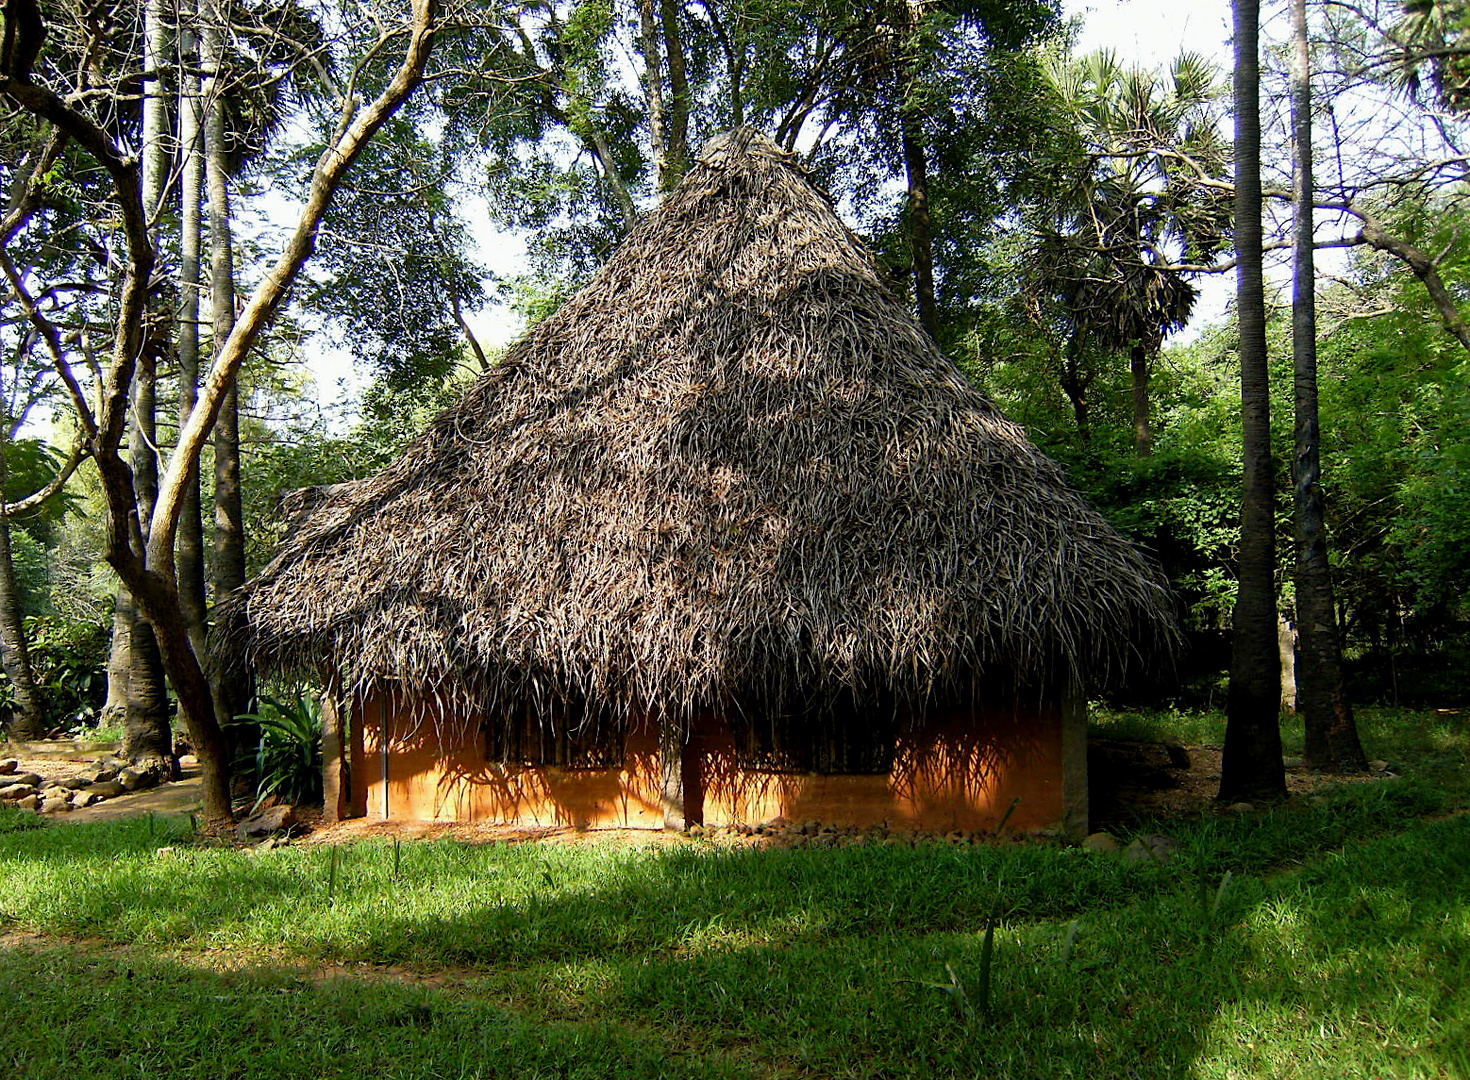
69, 663
288, 758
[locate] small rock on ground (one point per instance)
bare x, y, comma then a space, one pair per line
1151, 847
263, 824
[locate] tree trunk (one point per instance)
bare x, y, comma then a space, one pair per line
1074, 385
1286, 647
191, 182
119, 661
653, 88
28, 718
1252, 768
147, 720
1332, 741
147, 744
1143, 436
231, 693
921, 226
676, 145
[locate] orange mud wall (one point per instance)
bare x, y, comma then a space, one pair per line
960, 770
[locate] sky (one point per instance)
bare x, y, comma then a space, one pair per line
1153, 32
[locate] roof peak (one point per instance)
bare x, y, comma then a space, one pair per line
738, 142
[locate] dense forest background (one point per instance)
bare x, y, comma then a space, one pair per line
1050, 216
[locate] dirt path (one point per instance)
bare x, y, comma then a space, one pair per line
178, 798
64, 759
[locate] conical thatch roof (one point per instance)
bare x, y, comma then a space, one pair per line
730, 469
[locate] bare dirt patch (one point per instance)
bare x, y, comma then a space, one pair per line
67, 760
1142, 781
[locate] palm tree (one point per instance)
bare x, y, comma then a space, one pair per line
1252, 767
1146, 195
1331, 731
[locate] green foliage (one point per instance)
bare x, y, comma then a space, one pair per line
69, 663
288, 758
30, 464
1430, 46
392, 270
32, 573
1395, 392
284, 460
1183, 501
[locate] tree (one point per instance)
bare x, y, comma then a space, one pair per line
28, 716
1251, 767
1142, 200
899, 84
147, 734
1331, 733
879, 97
146, 561
231, 691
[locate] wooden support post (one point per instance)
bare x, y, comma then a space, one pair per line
354, 766
1074, 760
671, 767
336, 775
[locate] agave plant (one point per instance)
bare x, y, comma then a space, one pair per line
288, 758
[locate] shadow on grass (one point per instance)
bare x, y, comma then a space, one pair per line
857, 961
65, 1015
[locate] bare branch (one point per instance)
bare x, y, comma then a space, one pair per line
47, 329
73, 461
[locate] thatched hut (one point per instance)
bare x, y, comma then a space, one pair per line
726, 538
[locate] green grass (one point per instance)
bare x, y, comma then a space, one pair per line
1339, 946
1404, 737
16, 820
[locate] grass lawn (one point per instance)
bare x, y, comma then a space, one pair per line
1328, 939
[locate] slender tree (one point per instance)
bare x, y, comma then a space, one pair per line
146, 560
191, 229
148, 737
28, 719
231, 691
1331, 732
1252, 767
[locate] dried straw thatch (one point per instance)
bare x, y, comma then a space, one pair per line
731, 470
